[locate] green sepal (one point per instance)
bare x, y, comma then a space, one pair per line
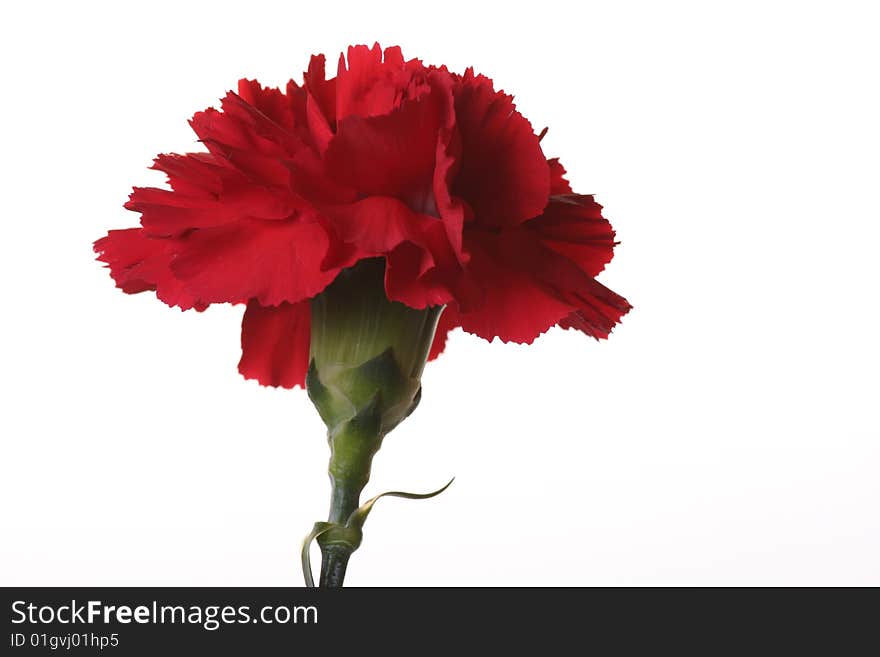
344, 393
331, 407
380, 374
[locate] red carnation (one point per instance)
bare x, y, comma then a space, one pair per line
435, 172
360, 219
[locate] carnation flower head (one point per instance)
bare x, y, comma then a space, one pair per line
434, 174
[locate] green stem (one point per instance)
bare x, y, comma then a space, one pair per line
344, 499
353, 444
334, 561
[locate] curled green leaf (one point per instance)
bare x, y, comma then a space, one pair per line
359, 516
317, 530
349, 536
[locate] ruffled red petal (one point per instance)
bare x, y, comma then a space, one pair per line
275, 344
270, 261
372, 85
515, 307
193, 174
139, 263
321, 90
249, 141
599, 312
558, 183
529, 287
390, 155
446, 167
504, 175
378, 224
415, 245
573, 226
165, 212
277, 110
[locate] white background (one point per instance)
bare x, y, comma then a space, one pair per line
726, 434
